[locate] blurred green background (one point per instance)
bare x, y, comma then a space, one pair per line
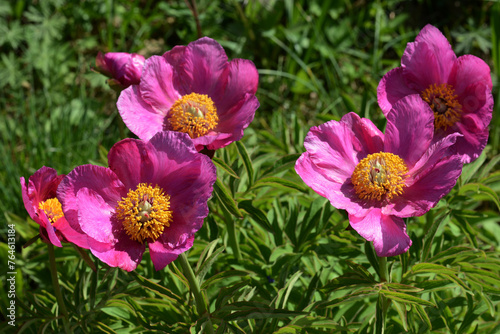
317, 61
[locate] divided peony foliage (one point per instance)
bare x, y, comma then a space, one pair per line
381, 179
154, 193
457, 89
40, 200
195, 90
123, 69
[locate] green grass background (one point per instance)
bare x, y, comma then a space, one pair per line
290, 251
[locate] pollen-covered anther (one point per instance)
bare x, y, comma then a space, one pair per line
379, 176
194, 114
52, 208
444, 103
145, 213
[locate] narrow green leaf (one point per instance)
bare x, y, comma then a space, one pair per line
372, 257
226, 199
221, 276
380, 315
423, 315
284, 293
480, 188
429, 237
431, 268
207, 251
247, 162
221, 164
405, 298
319, 322
282, 164
280, 183
401, 309
469, 170
256, 214
156, 288
402, 287
453, 253
207, 264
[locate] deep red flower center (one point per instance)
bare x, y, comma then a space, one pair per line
444, 103
145, 212
379, 176
52, 208
194, 114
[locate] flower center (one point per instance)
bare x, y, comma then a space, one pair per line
194, 114
144, 212
379, 176
52, 208
443, 102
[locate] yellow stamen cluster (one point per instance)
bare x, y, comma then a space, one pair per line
144, 213
444, 103
52, 208
194, 114
379, 176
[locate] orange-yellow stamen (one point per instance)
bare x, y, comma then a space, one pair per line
145, 212
379, 176
194, 114
444, 103
52, 208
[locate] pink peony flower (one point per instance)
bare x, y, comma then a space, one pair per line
381, 179
44, 208
457, 89
123, 69
153, 193
193, 89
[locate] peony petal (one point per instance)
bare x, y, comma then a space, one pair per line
202, 64
370, 137
162, 254
471, 144
156, 87
140, 117
428, 60
388, 233
54, 239
331, 148
391, 89
340, 194
428, 188
79, 239
100, 179
410, 129
239, 80
470, 70
125, 254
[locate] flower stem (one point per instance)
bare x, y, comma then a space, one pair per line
57, 288
233, 237
382, 263
195, 288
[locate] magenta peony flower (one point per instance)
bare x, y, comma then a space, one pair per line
123, 69
153, 193
44, 208
193, 89
381, 179
457, 89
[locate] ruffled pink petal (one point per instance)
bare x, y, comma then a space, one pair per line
391, 89
54, 239
467, 70
100, 179
370, 137
28, 203
340, 194
428, 60
429, 187
203, 64
156, 86
69, 234
388, 233
125, 254
471, 144
241, 81
134, 162
331, 148
477, 101
410, 129
162, 254
233, 122
140, 117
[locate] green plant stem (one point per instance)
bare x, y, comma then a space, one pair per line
195, 288
233, 237
57, 288
382, 263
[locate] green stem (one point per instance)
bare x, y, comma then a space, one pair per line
57, 288
195, 288
233, 237
382, 263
